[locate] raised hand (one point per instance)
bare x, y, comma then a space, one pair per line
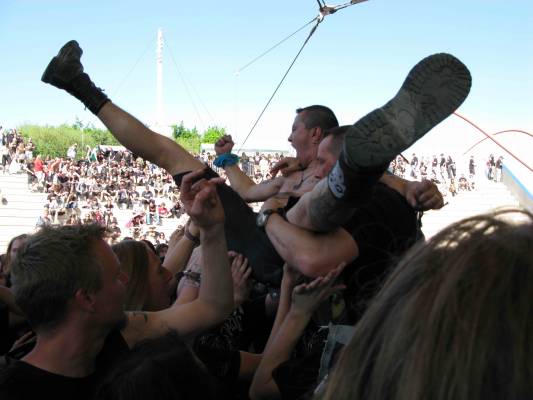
424, 195
308, 296
240, 272
176, 236
224, 145
200, 199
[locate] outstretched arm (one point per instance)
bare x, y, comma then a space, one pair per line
421, 195
140, 140
215, 301
319, 210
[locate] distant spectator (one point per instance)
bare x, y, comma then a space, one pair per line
472, 167
44, 219
163, 211
499, 168
72, 150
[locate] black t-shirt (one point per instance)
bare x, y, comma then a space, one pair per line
384, 228
248, 326
20, 380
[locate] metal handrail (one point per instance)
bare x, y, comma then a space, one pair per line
497, 133
488, 136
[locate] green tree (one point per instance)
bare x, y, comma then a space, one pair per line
187, 138
78, 124
212, 134
53, 141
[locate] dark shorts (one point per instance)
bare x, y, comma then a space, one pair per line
243, 235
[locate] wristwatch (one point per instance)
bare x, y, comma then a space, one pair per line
263, 216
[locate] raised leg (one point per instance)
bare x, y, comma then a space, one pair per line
65, 71
432, 91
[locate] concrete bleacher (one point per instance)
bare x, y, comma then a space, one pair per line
22, 210
487, 195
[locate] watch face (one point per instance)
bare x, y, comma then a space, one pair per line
262, 217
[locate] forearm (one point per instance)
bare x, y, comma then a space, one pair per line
187, 295
284, 306
140, 140
240, 182
216, 288
263, 385
394, 182
319, 211
310, 252
178, 255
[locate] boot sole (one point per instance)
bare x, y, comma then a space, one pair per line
433, 90
71, 50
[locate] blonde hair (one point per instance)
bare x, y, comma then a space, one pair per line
453, 321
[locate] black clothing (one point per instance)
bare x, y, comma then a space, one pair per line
243, 235
383, 228
246, 329
20, 380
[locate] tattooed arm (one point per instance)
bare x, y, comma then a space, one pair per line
215, 301
318, 210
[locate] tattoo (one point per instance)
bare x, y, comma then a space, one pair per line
325, 211
266, 182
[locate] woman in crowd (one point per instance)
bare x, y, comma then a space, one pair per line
12, 248
453, 321
150, 286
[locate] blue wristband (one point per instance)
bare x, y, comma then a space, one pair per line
225, 160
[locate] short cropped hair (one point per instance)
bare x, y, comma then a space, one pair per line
50, 267
318, 116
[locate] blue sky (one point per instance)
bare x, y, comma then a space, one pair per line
355, 62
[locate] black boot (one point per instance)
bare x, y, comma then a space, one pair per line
433, 90
66, 72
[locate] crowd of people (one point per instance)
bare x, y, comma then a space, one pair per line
92, 186
328, 292
442, 170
